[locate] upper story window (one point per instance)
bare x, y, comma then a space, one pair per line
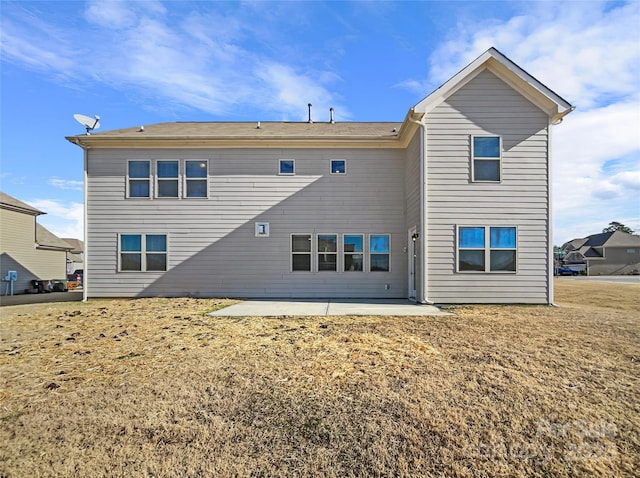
143, 252
195, 177
287, 167
379, 252
167, 179
171, 178
338, 166
138, 179
487, 249
486, 154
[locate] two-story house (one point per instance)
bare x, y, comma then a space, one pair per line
451, 205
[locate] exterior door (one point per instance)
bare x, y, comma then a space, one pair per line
413, 260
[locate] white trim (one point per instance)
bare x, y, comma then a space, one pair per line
331, 167
336, 253
480, 64
485, 158
280, 173
143, 252
343, 253
261, 229
158, 179
368, 248
310, 253
487, 248
149, 179
186, 179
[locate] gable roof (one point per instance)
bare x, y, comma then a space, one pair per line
76, 244
13, 204
45, 239
613, 239
536, 92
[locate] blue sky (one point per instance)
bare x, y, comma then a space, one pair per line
136, 63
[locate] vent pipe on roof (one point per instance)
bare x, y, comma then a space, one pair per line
310, 120
331, 115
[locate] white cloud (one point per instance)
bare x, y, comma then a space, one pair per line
66, 184
62, 219
588, 53
207, 61
628, 179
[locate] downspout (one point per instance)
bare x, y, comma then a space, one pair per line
423, 295
550, 247
85, 288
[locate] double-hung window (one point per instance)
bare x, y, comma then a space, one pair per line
167, 179
486, 158
379, 252
327, 252
301, 252
487, 249
352, 247
138, 179
195, 177
143, 252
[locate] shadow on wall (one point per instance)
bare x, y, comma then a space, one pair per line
239, 264
507, 114
25, 276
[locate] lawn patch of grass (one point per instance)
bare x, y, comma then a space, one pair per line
156, 387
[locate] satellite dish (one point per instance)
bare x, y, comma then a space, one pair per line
89, 123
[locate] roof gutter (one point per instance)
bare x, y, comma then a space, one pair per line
557, 118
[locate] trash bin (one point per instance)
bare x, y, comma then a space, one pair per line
37, 285
59, 285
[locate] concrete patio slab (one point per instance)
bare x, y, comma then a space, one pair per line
315, 307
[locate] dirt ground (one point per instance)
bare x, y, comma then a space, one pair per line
154, 387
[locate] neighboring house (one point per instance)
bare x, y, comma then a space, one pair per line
27, 247
75, 258
449, 206
608, 253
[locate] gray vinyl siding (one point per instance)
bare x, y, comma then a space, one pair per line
488, 106
212, 248
18, 252
412, 194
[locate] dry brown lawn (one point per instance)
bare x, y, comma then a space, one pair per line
153, 387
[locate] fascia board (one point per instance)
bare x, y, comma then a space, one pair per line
521, 81
199, 142
452, 85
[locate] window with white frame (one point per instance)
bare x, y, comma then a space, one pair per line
195, 177
143, 252
287, 167
138, 179
486, 154
487, 249
338, 166
379, 252
327, 252
353, 252
167, 179
301, 252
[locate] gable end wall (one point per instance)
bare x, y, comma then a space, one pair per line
488, 106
